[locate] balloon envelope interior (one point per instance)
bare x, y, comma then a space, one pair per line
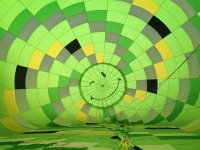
68, 63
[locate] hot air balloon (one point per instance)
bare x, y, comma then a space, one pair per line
91, 62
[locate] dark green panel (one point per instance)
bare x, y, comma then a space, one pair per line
74, 10
114, 27
97, 15
49, 111
20, 21
47, 11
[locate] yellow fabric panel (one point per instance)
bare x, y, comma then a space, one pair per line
164, 50
128, 98
100, 57
36, 59
10, 102
140, 95
160, 70
148, 5
88, 49
11, 124
81, 116
55, 49
80, 103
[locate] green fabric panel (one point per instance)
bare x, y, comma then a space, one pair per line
157, 119
49, 111
97, 15
106, 113
129, 57
20, 21
125, 42
54, 94
177, 110
75, 74
194, 91
197, 53
195, 4
47, 11
74, 10
196, 21
114, 27
126, 70
63, 81
2, 33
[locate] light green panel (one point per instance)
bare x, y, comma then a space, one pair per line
8, 76
38, 35
4, 6
85, 40
143, 42
67, 37
119, 6
136, 49
159, 103
144, 60
98, 37
32, 98
39, 113
174, 45
183, 70
10, 14
53, 80
184, 40
96, 5
57, 31
66, 71
64, 4
79, 68
72, 62
114, 16
107, 57
167, 19
163, 88
67, 102
42, 79
140, 75
15, 50
115, 59
150, 99
131, 84
46, 42
110, 47
36, 5
26, 55
130, 32
81, 30
178, 15
43, 96
99, 47
26, 2
135, 23
171, 68
74, 90
56, 67
135, 65
85, 62
173, 88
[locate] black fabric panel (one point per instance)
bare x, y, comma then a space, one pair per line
73, 46
152, 86
20, 77
159, 26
